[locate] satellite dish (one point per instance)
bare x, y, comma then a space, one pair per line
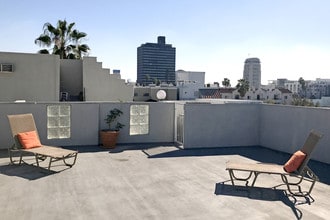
161, 94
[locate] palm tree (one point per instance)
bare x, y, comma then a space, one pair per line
242, 87
226, 82
64, 40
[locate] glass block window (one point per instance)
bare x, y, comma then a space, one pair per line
139, 119
58, 121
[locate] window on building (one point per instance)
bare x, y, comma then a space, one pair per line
139, 119
58, 121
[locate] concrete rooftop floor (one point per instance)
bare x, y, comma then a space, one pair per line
154, 182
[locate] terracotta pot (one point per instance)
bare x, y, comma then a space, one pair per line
109, 138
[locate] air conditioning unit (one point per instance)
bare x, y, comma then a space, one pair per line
6, 68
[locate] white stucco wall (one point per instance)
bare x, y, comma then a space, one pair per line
36, 77
279, 127
100, 85
285, 128
87, 119
220, 125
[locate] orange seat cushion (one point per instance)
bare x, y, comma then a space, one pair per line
29, 139
294, 162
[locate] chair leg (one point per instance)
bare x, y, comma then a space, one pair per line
297, 184
12, 161
50, 162
74, 160
233, 177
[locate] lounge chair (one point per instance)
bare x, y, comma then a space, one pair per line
23, 128
299, 172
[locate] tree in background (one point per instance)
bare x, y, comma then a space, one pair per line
242, 87
226, 82
303, 87
64, 40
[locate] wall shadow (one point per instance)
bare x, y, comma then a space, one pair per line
257, 153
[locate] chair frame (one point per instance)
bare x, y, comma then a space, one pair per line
25, 122
303, 172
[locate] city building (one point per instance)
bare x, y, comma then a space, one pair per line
293, 86
189, 83
318, 88
216, 93
156, 63
252, 72
46, 77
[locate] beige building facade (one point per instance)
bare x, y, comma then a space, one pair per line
44, 77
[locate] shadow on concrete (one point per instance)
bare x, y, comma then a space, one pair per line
259, 193
25, 171
257, 153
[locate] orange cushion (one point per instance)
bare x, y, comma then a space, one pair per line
294, 162
29, 139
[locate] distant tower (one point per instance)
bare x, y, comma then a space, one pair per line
156, 61
252, 72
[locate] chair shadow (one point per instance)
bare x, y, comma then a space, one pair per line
265, 194
26, 171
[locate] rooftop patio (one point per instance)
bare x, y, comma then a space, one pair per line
146, 181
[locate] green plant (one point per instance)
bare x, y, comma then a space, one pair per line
112, 120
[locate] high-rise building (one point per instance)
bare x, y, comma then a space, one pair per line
252, 72
156, 63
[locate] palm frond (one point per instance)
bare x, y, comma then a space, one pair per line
43, 40
84, 48
43, 51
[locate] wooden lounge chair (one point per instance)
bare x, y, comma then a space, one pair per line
24, 124
302, 172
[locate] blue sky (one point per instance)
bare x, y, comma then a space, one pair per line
290, 37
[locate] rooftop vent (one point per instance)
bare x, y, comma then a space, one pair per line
4, 67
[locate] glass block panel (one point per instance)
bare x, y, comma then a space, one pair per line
64, 133
52, 133
144, 129
144, 119
139, 119
53, 110
65, 110
134, 120
134, 110
64, 122
134, 130
52, 122
58, 121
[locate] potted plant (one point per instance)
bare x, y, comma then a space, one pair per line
109, 136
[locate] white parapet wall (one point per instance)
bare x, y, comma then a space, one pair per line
193, 124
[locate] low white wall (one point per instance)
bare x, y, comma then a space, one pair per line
285, 128
279, 127
87, 119
221, 125
161, 122
84, 123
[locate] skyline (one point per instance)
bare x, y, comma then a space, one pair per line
290, 38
